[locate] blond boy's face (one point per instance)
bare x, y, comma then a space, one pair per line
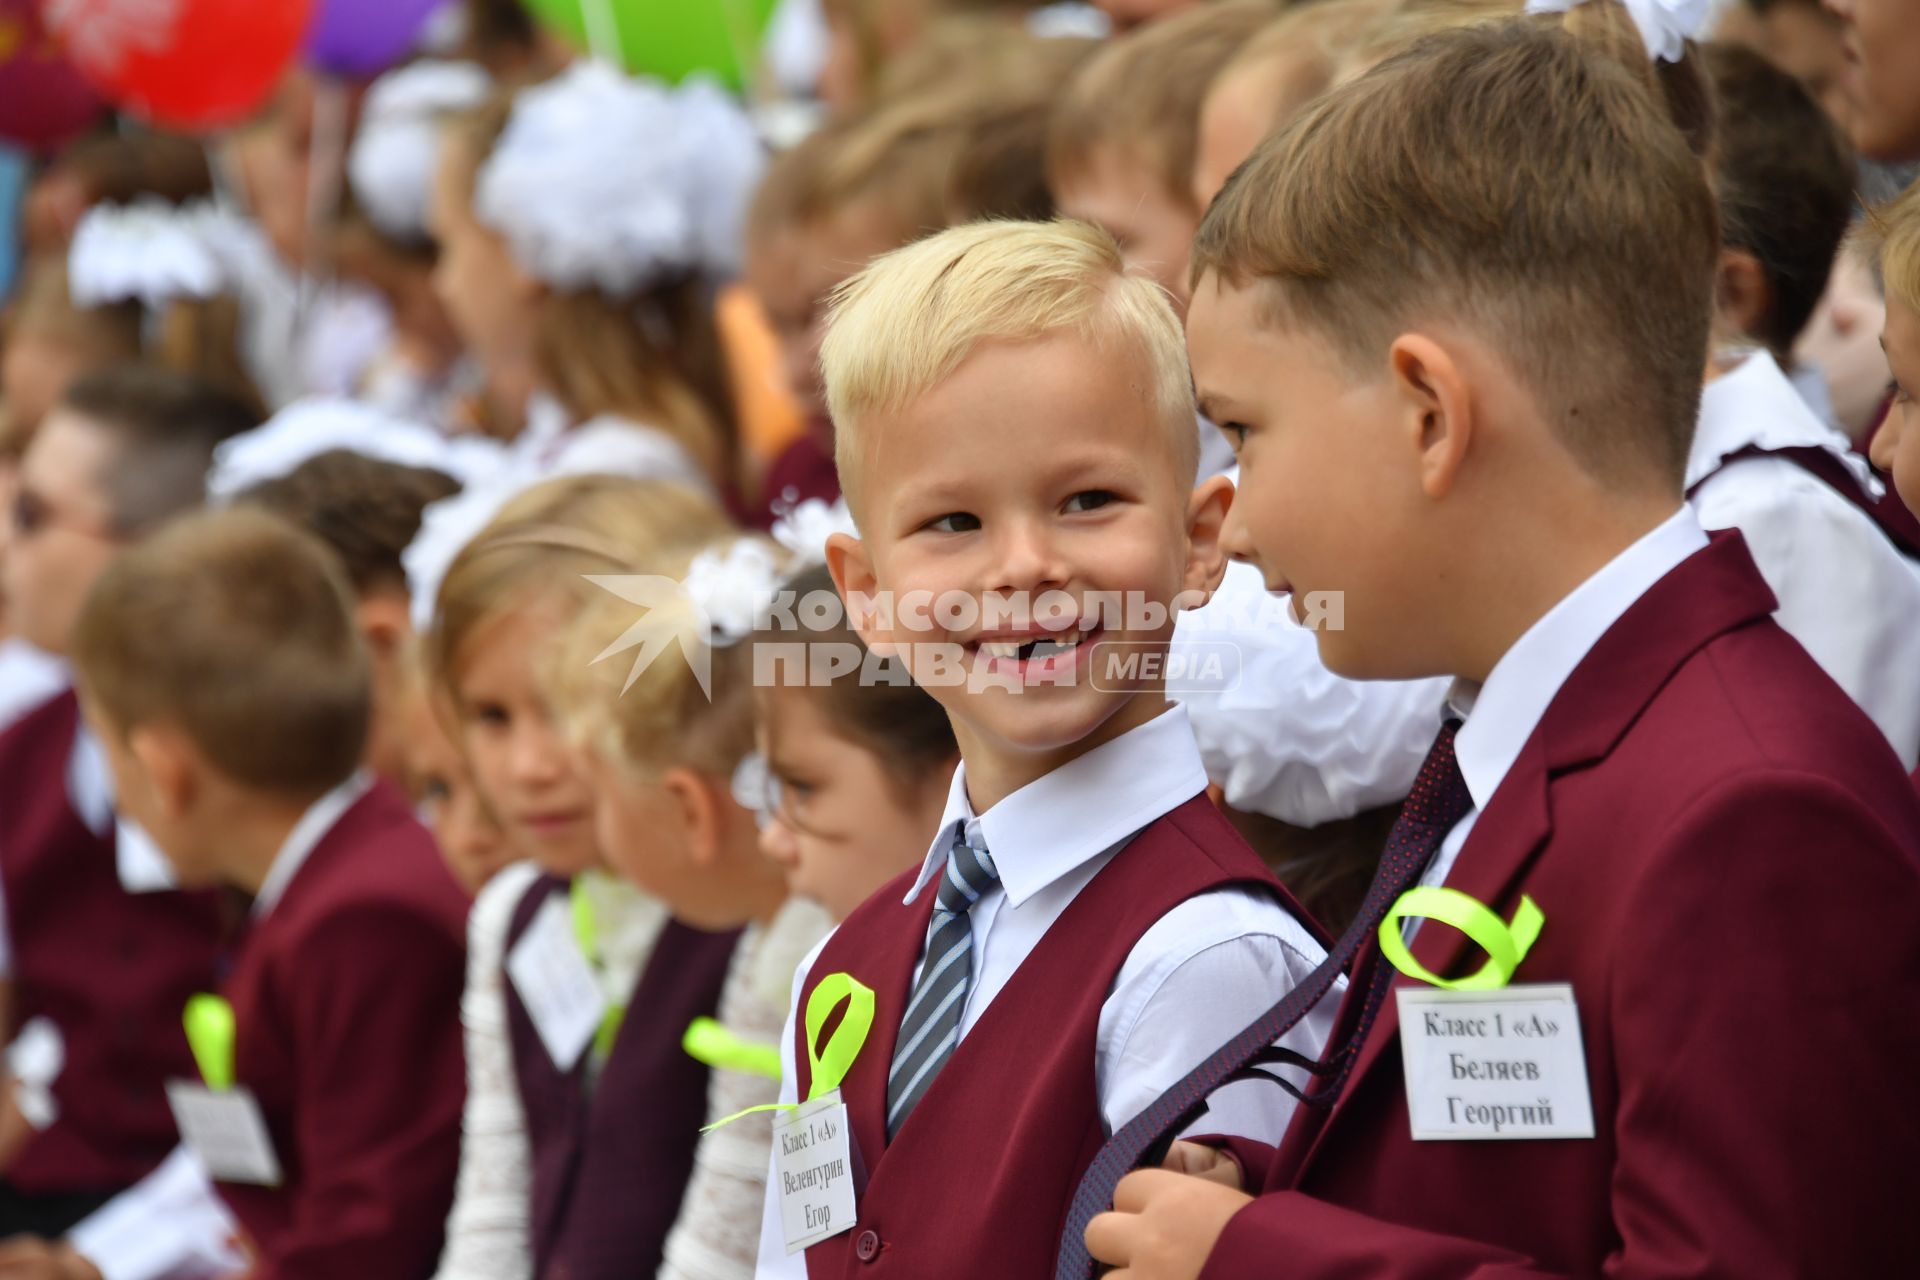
1896, 446
1324, 474
1123, 194
997, 511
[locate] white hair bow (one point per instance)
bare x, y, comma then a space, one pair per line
804, 530
602, 181
152, 251
396, 149
1665, 25
733, 586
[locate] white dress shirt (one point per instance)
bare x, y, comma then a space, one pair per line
172, 1224
1502, 713
1846, 592
1282, 735
1194, 980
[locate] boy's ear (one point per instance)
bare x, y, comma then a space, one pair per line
853, 578
1742, 297
385, 623
697, 805
1437, 404
1206, 555
169, 767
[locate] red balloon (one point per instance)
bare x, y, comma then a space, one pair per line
182, 64
43, 100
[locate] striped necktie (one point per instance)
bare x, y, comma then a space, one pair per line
931, 1029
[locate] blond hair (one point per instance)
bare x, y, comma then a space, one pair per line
1511, 178
1892, 236
237, 629
1141, 95
657, 716
904, 324
541, 546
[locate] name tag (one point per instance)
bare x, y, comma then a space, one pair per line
225, 1130
1495, 1064
556, 984
814, 1171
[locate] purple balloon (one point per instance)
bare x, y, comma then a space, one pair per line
364, 37
43, 100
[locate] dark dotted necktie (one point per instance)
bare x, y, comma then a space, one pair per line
1438, 801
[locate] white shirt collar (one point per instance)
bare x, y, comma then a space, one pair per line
1057, 822
320, 818
1754, 404
142, 867
1502, 713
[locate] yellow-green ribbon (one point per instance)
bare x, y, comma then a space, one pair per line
210, 1030
587, 933
708, 1042
828, 1064
1506, 944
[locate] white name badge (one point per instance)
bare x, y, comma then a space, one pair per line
813, 1169
226, 1131
556, 984
1495, 1064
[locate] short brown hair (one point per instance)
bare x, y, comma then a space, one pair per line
1513, 178
1785, 178
236, 628
1142, 93
366, 510
165, 426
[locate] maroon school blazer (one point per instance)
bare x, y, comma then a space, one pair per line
346, 1000
1728, 856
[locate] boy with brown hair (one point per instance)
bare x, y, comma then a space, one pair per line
85, 1112
366, 511
221, 668
1456, 316
1838, 552
1016, 439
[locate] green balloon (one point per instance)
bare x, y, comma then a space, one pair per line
670, 39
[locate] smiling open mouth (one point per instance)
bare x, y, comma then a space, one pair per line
1045, 655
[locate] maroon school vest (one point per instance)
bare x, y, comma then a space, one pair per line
111, 969
979, 1179
610, 1165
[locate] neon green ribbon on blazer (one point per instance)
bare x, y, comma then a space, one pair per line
828, 1064
587, 933
210, 1031
1506, 944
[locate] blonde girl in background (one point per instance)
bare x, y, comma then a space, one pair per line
536, 1132
671, 759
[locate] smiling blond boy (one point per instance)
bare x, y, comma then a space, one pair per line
1015, 434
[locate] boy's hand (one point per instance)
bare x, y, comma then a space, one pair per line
1162, 1227
31, 1258
1197, 1161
